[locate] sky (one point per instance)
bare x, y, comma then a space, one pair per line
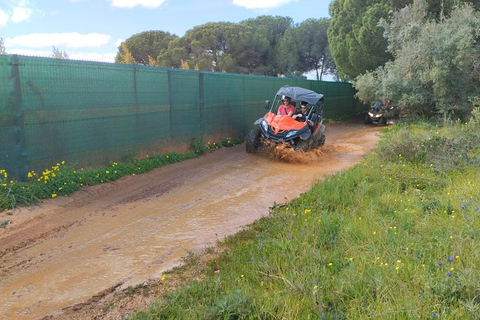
93, 29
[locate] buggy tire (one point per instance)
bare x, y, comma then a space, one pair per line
253, 141
301, 146
367, 119
382, 121
321, 142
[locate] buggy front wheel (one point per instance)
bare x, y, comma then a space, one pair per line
253, 141
321, 142
301, 146
367, 120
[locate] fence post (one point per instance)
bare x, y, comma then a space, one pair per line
20, 153
201, 98
137, 107
169, 83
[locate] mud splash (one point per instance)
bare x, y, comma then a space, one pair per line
285, 153
120, 234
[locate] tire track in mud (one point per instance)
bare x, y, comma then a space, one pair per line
65, 251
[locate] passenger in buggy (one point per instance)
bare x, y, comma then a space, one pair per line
302, 114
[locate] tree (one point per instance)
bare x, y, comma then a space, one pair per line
176, 52
208, 42
59, 54
125, 56
253, 46
148, 43
356, 40
184, 65
152, 62
212, 36
436, 62
305, 48
313, 48
2, 47
203, 64
226, 63
445, 7
286, 54
250, 50
272, 30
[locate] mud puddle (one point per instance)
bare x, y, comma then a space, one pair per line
64, 251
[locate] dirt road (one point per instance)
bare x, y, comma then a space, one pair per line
65, 250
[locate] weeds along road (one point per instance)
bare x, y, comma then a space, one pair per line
66, 250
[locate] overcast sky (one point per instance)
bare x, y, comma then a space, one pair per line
93, 29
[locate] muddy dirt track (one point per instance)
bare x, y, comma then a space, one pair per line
66, 250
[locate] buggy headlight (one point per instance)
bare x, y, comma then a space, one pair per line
370, 114
291, 133
264, 125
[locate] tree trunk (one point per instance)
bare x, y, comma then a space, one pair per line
323, 67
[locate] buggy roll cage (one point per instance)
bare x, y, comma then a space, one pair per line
315, 100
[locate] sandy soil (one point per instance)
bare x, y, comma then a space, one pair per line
79, 257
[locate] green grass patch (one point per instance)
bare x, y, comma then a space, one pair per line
4, 223
199, 146
394, 237
63, 179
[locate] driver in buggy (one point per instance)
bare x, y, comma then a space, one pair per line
286, 109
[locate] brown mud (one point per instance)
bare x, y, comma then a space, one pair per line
64, 257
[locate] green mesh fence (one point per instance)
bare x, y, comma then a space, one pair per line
88, 113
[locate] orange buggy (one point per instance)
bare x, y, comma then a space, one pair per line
284, 129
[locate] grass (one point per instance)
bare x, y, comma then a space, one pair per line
63, 179
394, 237
4, 223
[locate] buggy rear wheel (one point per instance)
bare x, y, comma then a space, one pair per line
253, 140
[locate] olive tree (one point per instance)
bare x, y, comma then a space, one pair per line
435, 67
356, 39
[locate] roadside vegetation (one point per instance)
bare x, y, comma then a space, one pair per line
435, 69
394, 237
63, 179
357, 41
